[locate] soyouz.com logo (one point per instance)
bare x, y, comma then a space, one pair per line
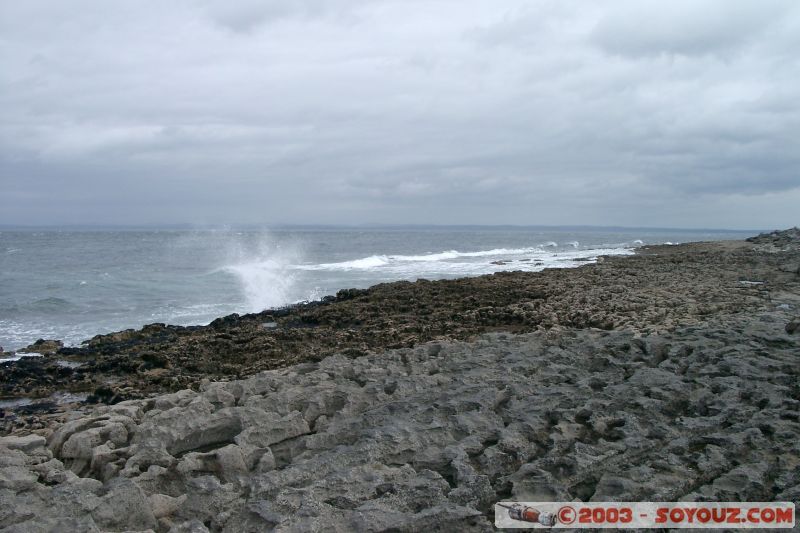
629, 515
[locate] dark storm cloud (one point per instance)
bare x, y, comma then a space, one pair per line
347, 111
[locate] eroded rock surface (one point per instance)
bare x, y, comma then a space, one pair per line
429, 438
415, 406
657, 290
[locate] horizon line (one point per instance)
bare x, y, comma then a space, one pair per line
264, 227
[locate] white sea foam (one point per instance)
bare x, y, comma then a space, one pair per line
191, 314
192, 277
454, 263
262, 269
315, 294
441, 256
18, 334
378, 261
454, 254
17, 357
372, 261
265, 283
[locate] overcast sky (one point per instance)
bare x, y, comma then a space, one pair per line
680, 113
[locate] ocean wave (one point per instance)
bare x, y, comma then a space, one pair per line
377, 261
454, 254
17, 357
19, 332
265, 283
48, 305
187, 315
260, 263
372, 261
445, 262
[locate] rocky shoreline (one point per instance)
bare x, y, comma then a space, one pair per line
655, 290
672, 374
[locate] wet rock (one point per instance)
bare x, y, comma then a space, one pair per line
652, 292
693, 396
44, 347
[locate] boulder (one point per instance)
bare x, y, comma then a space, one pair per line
194, 426
269, 428
27, 444
17, 478
124, 507
164, 506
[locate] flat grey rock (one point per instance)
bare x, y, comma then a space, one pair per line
430, 438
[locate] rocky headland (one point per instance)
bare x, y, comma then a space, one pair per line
671, 374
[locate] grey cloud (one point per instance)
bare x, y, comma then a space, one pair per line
435, 112
685, 27
246, 16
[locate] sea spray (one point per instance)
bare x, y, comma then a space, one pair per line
265, 283
188, 277
261, 267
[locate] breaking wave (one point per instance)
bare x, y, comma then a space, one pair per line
453, 261
262, 268
265, 283
376, 261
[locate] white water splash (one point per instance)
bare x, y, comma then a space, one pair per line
262, 269
265, 283
453, 263
17, 357
376, 261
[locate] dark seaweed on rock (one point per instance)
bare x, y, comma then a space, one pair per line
656, 290
669, 376
782, 238
429, 438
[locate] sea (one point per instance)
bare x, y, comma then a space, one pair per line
74, 284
